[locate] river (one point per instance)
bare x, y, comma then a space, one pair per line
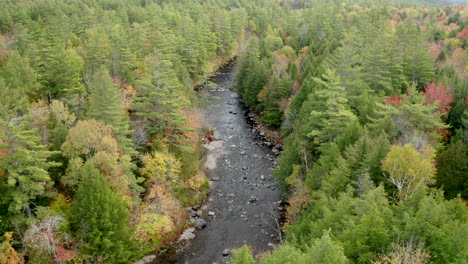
242, 207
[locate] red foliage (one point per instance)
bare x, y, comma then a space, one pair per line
62, 254
438, 93
296, 87
462, 35
394, 100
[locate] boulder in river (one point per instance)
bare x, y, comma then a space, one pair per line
253, 199
188, 234
200, 223
226, 252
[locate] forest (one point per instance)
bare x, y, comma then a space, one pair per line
101, 133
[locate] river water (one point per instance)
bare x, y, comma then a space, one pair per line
244, 195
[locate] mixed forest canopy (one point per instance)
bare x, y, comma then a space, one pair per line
100, 133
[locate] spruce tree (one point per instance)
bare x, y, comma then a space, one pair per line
101, 217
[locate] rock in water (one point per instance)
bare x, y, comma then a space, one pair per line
188, 234
226, 252
200, 224
253, 199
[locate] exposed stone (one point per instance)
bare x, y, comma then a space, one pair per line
188, 234
200, 223
226, 252
211, 213
192, 212
146, 259
253, 199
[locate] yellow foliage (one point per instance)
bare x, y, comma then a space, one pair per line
161, 165
300, 196
61, 112
408, 168
153, 227
197, 180
8, 254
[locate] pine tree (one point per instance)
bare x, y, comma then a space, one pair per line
25, 163
105, 105
19, 75
336, 113
101, 218
325, 250
243, 255
160, 100
418, 65
63, 74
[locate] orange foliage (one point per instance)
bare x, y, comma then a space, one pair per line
297, 203
161, 200
8, 254
261, 94
194, 122
435, 49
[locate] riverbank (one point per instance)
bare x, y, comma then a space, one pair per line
242, 207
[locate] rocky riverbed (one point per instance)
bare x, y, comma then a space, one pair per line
244, 201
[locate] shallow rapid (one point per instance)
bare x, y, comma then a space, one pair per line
242, 207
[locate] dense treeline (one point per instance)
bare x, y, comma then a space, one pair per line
100, 136
99, 132
371, 100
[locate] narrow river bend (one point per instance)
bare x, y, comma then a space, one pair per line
244, 193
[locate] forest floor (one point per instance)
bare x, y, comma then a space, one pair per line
243, 204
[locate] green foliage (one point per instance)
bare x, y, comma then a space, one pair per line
100, 216
63, 74
286, 254
105, 105
327, 124
25, 163
452, 170
160, 100
243, 255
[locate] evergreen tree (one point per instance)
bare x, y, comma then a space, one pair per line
63, 74
101, 217
418, 66
160, 100
19, 75
452, 170
105, 105
243, 255
325, 250
25, 162
330, 121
